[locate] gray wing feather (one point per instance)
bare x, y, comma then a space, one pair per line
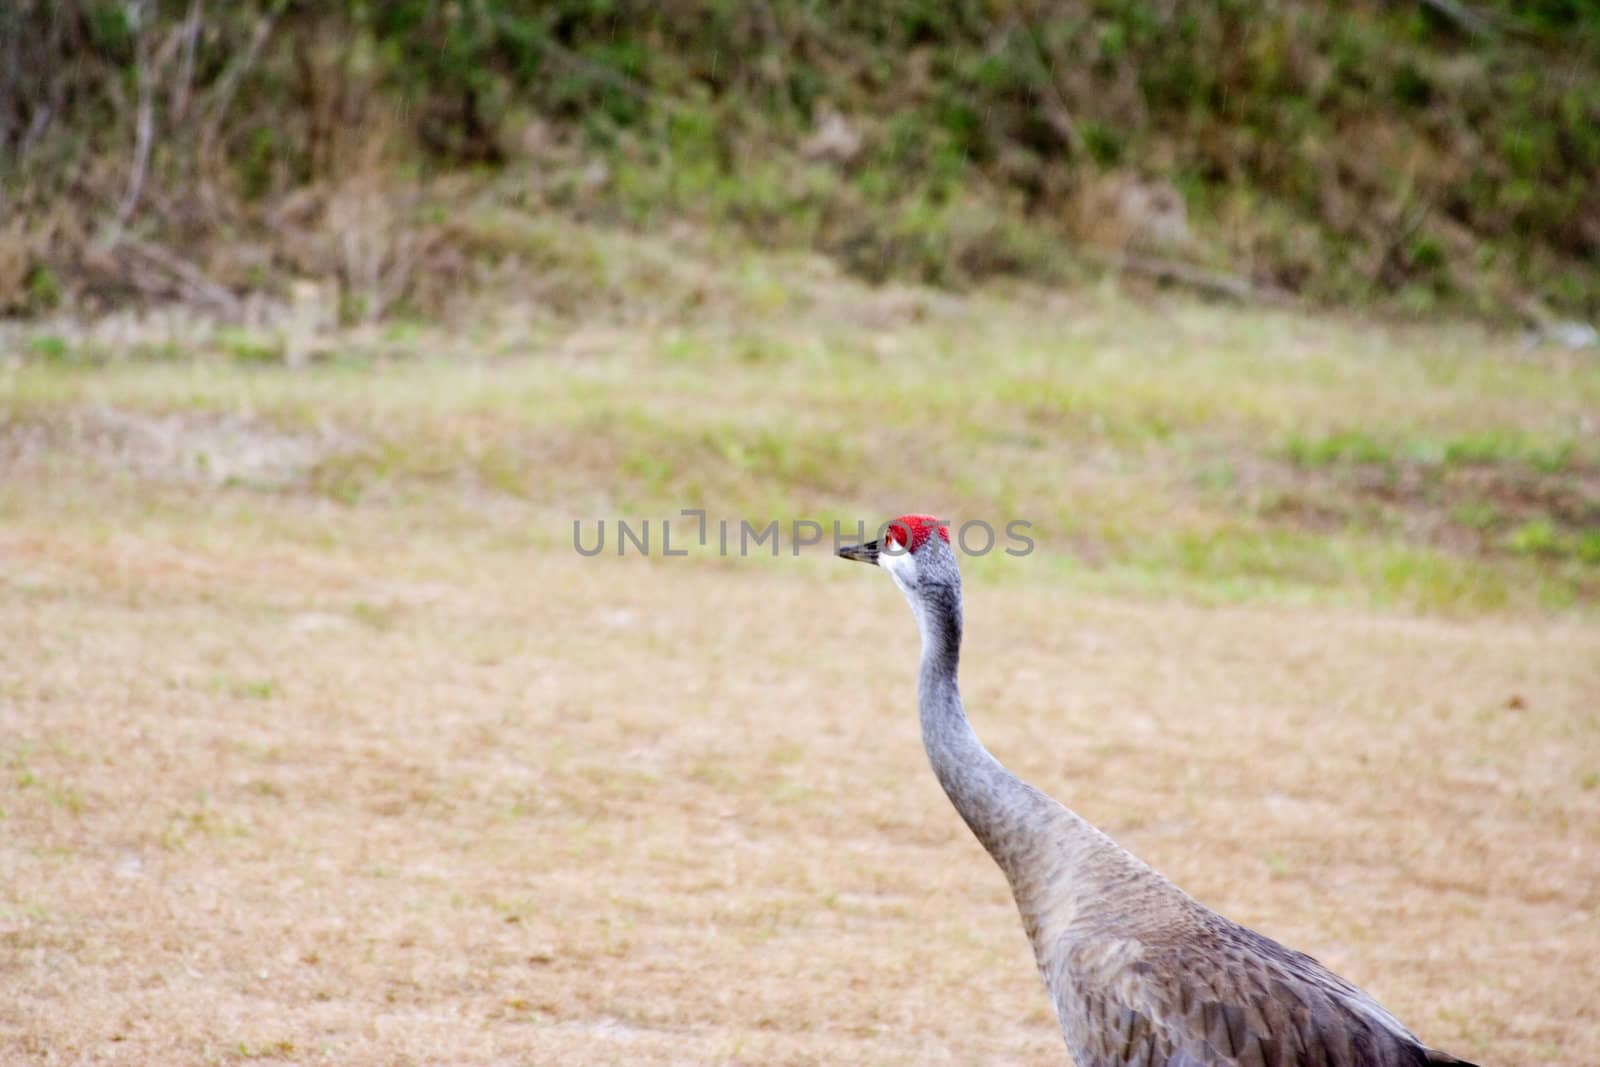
1224, 996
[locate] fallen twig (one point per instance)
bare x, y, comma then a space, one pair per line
1214, 283
196, 287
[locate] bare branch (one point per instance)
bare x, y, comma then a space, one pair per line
1462, 17
36, 127
1412, 216
144, 126
185, 80
1056, 112
221, 97
614, 78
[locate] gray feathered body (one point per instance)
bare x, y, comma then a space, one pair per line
1139, 972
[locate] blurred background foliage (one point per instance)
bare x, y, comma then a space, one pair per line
1439, 154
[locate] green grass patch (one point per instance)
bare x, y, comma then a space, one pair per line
1179, 448
1349, 446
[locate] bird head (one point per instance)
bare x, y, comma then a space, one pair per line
915, 550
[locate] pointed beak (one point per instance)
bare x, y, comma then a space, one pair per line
867, 553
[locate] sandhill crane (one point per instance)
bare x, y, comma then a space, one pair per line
1139, 971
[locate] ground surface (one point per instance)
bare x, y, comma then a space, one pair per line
320, 744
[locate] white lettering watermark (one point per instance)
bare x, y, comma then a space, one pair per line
741, 537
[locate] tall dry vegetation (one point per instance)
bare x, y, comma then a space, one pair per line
199, 154
1435, 153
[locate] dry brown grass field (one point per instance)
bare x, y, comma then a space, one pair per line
351, 759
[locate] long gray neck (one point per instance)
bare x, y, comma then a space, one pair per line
1001, 810
1060, 868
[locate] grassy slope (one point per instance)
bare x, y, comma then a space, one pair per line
1160, 445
